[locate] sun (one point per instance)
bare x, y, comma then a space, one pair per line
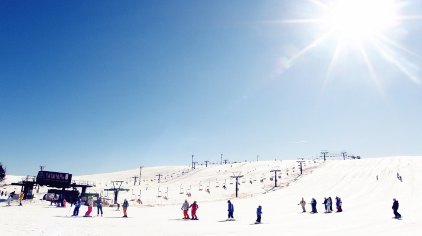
363, 26
359, 20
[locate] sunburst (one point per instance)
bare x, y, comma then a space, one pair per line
358, 25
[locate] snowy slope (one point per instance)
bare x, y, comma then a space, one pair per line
366, 203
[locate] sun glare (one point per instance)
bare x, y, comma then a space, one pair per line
365, 27
361, 19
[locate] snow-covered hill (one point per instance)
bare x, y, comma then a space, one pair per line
366, 201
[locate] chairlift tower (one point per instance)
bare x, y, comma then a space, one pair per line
344, 154
237, 182
300, 162
135, 178
206, 163
324, 154
275, 177
117, 187
159, 177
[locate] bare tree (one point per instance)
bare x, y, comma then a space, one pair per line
2, 172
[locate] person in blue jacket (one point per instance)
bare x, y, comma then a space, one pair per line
77, 206
125, 206
230, 210
99, 206
258, 215
338, 204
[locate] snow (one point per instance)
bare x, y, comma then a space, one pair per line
366, 201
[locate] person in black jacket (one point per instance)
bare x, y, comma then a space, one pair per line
314, 204
395, 208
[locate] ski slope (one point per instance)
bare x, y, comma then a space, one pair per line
366, 201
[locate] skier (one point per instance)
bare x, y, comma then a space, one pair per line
125, 206
330, 204
325, 203
303, 204
185, 208
338, 204
313, 205
194, 207
9, 199
395, 208
99, 206
230, 210
90, 203
21, 195
77, 206
258, 215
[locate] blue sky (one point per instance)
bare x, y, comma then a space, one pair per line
100, 86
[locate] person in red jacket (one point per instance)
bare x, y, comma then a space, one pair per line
194, 207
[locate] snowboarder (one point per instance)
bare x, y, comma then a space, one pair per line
395, 208
90, 203
230, 210
125, 206
185, 208
338, 204
258, 215
303, 204
194, 207
77, 206
313, 205
99, 206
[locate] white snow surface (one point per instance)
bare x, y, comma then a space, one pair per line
366, 201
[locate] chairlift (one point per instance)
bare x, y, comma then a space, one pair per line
181, 190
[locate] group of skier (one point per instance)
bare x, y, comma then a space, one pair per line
230, 209
11, 196
185, 208
99, 204
328, 205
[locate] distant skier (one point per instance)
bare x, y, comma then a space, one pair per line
125, 206
395, 207
194, 207
99, 206
325, 203
9, 199
303, 204
313, 205
258, 215
21, 196
330, 204
230, 210
338, 204
90, 203
185, 208
77, 206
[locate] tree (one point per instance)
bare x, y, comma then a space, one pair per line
2, 172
